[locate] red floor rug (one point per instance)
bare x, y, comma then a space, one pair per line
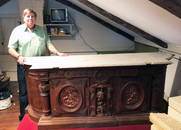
28, 124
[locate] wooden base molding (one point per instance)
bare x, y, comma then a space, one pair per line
49, 122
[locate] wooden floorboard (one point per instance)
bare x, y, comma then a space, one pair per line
9, 117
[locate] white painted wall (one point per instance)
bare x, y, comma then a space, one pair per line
172, 80
8, 65
9, 17
11, 7
7, 25
92, 37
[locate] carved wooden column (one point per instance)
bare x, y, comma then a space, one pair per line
100, 99
38, 88
44, 93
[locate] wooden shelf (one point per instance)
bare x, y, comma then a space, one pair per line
59, 30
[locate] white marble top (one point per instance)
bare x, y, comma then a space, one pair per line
101, 60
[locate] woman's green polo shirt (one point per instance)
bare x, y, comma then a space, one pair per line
29, 43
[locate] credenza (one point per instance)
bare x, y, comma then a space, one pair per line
81, 91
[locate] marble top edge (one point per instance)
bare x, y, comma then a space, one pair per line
101, 60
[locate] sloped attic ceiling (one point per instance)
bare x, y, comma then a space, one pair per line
149, 19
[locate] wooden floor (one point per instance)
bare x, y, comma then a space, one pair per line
9, 117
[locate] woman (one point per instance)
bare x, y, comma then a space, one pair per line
27, 40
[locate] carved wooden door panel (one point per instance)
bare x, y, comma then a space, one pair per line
131, 95
69, 97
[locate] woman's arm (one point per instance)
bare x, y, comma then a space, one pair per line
53, 50
20, 59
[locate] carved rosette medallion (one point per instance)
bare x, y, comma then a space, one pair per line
132, 95
70, 99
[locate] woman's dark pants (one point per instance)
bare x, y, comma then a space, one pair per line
23, 99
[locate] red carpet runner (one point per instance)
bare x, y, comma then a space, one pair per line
28, 124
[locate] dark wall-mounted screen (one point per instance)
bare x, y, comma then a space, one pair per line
58, 15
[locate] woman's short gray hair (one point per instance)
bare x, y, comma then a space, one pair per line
28, 10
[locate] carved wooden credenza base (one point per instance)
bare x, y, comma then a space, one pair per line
49, 122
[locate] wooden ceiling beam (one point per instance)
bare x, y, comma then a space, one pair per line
173, 6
